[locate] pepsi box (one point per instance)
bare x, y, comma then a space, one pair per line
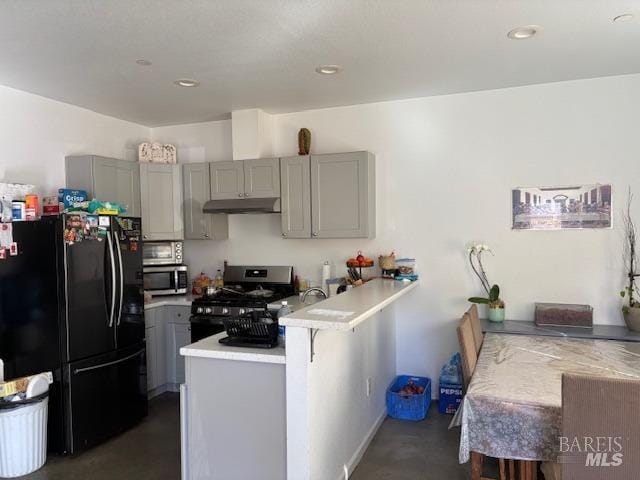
67, 197
450, 398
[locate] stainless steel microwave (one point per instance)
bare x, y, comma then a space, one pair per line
166, 280
162, 253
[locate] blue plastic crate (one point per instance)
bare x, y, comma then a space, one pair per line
409, 407
450, 398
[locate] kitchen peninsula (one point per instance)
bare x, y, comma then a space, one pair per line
340, 357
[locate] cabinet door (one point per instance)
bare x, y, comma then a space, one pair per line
295, 175
227, 180
161, 191
117, 181
179, 336
196, 190
262, 178
343, 195
152, 361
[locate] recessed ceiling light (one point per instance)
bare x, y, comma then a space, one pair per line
328, 69
143, 62
187, 82
522, 33
625, 17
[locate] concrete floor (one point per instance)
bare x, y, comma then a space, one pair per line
403, 450
151, 451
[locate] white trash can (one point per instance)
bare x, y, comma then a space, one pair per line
23, 436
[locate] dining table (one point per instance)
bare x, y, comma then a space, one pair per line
513, 405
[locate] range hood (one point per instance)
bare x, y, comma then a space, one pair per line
243, 205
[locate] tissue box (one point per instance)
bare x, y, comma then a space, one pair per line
564, 315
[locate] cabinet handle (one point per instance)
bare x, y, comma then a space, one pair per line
246, 194
315, 234
240, 195
284, 234
206, 235
144, 236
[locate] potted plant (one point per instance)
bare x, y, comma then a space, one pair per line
495, 306
630, 311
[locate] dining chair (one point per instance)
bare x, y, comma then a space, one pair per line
599, 407
478, 336
467, 348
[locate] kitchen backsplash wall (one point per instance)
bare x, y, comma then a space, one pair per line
445, 167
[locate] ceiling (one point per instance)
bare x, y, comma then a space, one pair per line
262, 53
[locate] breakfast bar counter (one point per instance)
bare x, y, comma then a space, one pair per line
347, 310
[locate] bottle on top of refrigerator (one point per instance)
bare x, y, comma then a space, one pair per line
218, 281
284, 310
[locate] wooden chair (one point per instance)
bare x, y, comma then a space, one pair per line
468, 351
478, 336
599, 407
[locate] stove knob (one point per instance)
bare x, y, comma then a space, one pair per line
225, 310
241, 311
200, 310
207, 310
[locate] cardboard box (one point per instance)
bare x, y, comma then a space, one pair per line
450, 398
67, 197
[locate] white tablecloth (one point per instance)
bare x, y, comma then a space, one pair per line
512, 408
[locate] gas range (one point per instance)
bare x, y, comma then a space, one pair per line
247, 292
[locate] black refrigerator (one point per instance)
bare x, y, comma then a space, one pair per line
71, 302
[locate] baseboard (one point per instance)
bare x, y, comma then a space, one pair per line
156, 391
357, 456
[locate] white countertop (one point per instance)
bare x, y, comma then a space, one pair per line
169, 300
295, 302
345, 311
211, 348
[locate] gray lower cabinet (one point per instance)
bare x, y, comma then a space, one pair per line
156, 351
167, 330
343, 195
196, 190
161, 192
295, 198
106, 179
178, 336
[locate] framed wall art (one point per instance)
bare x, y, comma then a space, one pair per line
561, 208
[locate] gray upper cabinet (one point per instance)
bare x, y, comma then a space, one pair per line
227, 180
196, 190
262, 178
343, 195
295, 173
258, 178
161, 192
106, 179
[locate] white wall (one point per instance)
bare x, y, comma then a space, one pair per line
445, 167
198, 142
330, 417
37, 133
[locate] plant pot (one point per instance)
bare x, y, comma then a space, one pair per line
495, 313
632, 318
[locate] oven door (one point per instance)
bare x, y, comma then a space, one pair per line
203, 327
166, 280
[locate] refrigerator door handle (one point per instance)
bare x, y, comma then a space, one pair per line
113, 281
108, 364
115, 235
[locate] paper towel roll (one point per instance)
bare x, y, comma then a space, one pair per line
326, 275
